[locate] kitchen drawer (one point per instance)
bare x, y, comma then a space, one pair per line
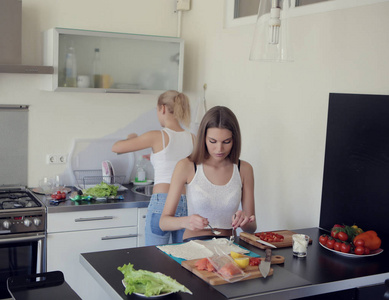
94, 219
63, 253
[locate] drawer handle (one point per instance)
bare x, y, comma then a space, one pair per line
94, 219
112, 237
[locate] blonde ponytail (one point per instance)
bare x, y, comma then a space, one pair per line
177, 104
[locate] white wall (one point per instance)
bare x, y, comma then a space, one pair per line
55, 119
282, 108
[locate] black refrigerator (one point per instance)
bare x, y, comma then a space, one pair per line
356, 165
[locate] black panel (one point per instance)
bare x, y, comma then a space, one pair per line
356, 166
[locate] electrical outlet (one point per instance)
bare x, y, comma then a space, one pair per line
50, 159
183, 4
62, 158
56, 159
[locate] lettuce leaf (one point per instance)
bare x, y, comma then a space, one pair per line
149, 283
102, 190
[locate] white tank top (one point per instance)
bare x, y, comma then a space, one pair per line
217, 203
180, 146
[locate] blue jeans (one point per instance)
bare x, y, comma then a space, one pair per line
153, 233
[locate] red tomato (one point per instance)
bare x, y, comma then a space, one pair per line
337, 246
254, 261
342, 236
359, 242
58, 192
330, 243
334, 234
269, 236
323, 239
359, 250
345, 247
367, 251
58, 197
63, 195
337, 225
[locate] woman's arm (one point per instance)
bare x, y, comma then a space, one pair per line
246, 218
183, 173
135, 142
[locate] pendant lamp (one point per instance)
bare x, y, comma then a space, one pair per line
271, 40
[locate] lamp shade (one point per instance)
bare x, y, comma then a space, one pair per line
271, 40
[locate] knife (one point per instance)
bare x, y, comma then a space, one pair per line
264, 266
266, 243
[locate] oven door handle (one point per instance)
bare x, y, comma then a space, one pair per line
34, 238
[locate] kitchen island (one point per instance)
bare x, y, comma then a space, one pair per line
321, 272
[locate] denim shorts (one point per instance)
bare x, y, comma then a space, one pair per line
153, 233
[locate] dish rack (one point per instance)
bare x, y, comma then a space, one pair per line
89, 178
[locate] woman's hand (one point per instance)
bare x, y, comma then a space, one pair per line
196, 222
239, 219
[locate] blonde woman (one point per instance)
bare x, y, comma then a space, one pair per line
168, 145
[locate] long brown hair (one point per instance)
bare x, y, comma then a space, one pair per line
217, 117
177, 104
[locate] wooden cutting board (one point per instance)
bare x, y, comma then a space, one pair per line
213, 279
287, 242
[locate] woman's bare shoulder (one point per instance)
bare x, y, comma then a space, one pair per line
245, 166
185, 163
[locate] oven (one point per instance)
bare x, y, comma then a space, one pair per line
22, 235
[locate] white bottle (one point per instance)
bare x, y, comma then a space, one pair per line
97, 69
71, 68
140, 171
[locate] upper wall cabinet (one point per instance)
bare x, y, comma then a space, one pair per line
96, 61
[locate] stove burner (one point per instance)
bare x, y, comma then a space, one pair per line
17, 200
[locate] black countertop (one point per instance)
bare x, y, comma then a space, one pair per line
322, 271
131, 200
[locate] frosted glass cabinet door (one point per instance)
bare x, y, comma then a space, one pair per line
128, 62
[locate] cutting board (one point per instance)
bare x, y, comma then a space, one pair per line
287, 242
213, 279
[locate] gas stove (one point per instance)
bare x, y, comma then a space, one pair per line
20, 212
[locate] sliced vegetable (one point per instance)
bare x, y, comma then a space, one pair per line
270, 236
254, 261
242, 262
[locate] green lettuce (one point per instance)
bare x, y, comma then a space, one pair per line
149, 283
102, 190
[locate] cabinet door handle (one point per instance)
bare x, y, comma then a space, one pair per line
112, 237
93, 219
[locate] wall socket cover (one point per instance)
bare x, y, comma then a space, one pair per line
56, 159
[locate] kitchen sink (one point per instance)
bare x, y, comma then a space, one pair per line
145, 190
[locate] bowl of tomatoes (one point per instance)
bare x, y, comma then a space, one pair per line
351, 241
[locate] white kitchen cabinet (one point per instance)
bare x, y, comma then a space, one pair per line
131, 63
142, 212
72, 233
